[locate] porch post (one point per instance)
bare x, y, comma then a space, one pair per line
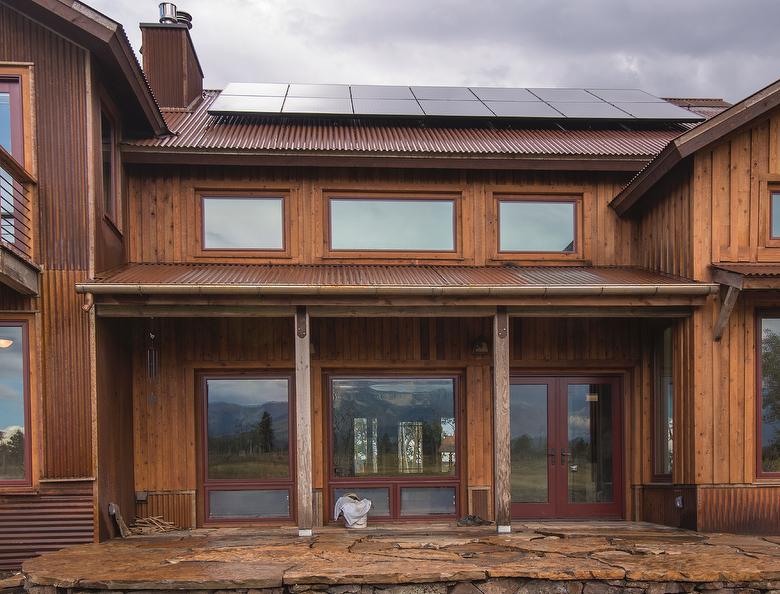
501, 439
303, 421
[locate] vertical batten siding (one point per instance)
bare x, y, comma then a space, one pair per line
60, 142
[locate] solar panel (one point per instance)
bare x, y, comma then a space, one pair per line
591, 110
657, 111
381, 92
455, 108
337, 91
522, 109
322, 105
393, 107
261, 89
444, 93
625, 96
503, 94
553, 95
427, 101
226, 104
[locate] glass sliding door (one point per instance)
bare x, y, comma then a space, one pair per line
247, 465
565, 448
394, 441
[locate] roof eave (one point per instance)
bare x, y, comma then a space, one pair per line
705, 134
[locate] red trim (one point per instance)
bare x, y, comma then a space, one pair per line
772, 195
394, 483
27, 480
207, 484
13, 86
558, 505
760, 316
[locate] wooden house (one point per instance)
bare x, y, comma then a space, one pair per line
231, 308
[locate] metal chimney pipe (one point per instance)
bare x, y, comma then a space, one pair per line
167, 12
184, 18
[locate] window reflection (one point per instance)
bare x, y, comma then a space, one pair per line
664, 404
770, 394
590, 443
402, 225
528, 434
536, 226
248, 429
393, 427
775, 215
243, 223
12, 404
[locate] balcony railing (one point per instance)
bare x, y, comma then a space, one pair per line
17, 246
16, 187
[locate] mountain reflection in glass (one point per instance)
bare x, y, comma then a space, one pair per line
770, 395
528, 226
590, 443
248, 428
393, 427
400, 225
528, 434
12, 421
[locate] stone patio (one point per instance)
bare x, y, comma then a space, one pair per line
544, 557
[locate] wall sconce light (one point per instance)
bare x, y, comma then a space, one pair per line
5, 343
480, 347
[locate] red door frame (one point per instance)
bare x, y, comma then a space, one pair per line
557, 440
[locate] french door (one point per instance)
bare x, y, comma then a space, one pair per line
565, 447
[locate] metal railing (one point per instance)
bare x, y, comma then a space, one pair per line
16, 208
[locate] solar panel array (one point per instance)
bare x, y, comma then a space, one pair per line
469, 102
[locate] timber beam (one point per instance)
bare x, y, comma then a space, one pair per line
501, 427
303, 448
726, 307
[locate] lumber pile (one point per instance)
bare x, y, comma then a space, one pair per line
152, 525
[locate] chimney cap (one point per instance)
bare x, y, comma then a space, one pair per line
169, 15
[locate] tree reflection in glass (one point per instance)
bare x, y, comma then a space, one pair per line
770, 394
12, 404
393, 426
248, 428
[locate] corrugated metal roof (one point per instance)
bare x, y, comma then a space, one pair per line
750, 269
335, 278
197, 130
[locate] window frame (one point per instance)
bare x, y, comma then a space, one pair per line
394, 484
389, 196
773, 191
760, 316
574, 198
659, 330
249, 194
113, 215
27, 481
206, 485
14, 84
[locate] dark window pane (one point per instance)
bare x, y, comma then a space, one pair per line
5, 121
770, 394
664, 404
402, 225
243, 223
12, 401
589, 463
393, 427
427, 501
379, 496
248, 429
107, 144
258, 503
776, 214
528, 430
527, 226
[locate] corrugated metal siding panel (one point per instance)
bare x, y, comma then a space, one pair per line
32, 525
163, 63
754, 510
178, 508
199, 130
376, 275
756, 270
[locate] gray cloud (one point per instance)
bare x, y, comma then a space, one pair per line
670, 48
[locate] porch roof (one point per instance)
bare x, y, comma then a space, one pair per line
343, 279
752, 275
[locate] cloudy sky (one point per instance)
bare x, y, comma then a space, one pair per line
715, 48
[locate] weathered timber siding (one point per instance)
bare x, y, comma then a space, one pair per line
164, 417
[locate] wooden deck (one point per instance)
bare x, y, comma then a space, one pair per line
560, 557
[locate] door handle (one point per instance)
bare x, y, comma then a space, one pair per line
564, 455
551, 455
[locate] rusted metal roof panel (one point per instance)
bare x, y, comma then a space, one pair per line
751, 270
300, 279
197, 130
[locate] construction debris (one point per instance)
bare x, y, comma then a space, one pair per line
152, 525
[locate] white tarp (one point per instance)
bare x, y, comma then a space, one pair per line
355, 510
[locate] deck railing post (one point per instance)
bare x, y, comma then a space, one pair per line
501, 438
303, 421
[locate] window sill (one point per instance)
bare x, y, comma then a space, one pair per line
20, 490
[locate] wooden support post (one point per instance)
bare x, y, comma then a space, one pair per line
303, 421
501, 439
726, 307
